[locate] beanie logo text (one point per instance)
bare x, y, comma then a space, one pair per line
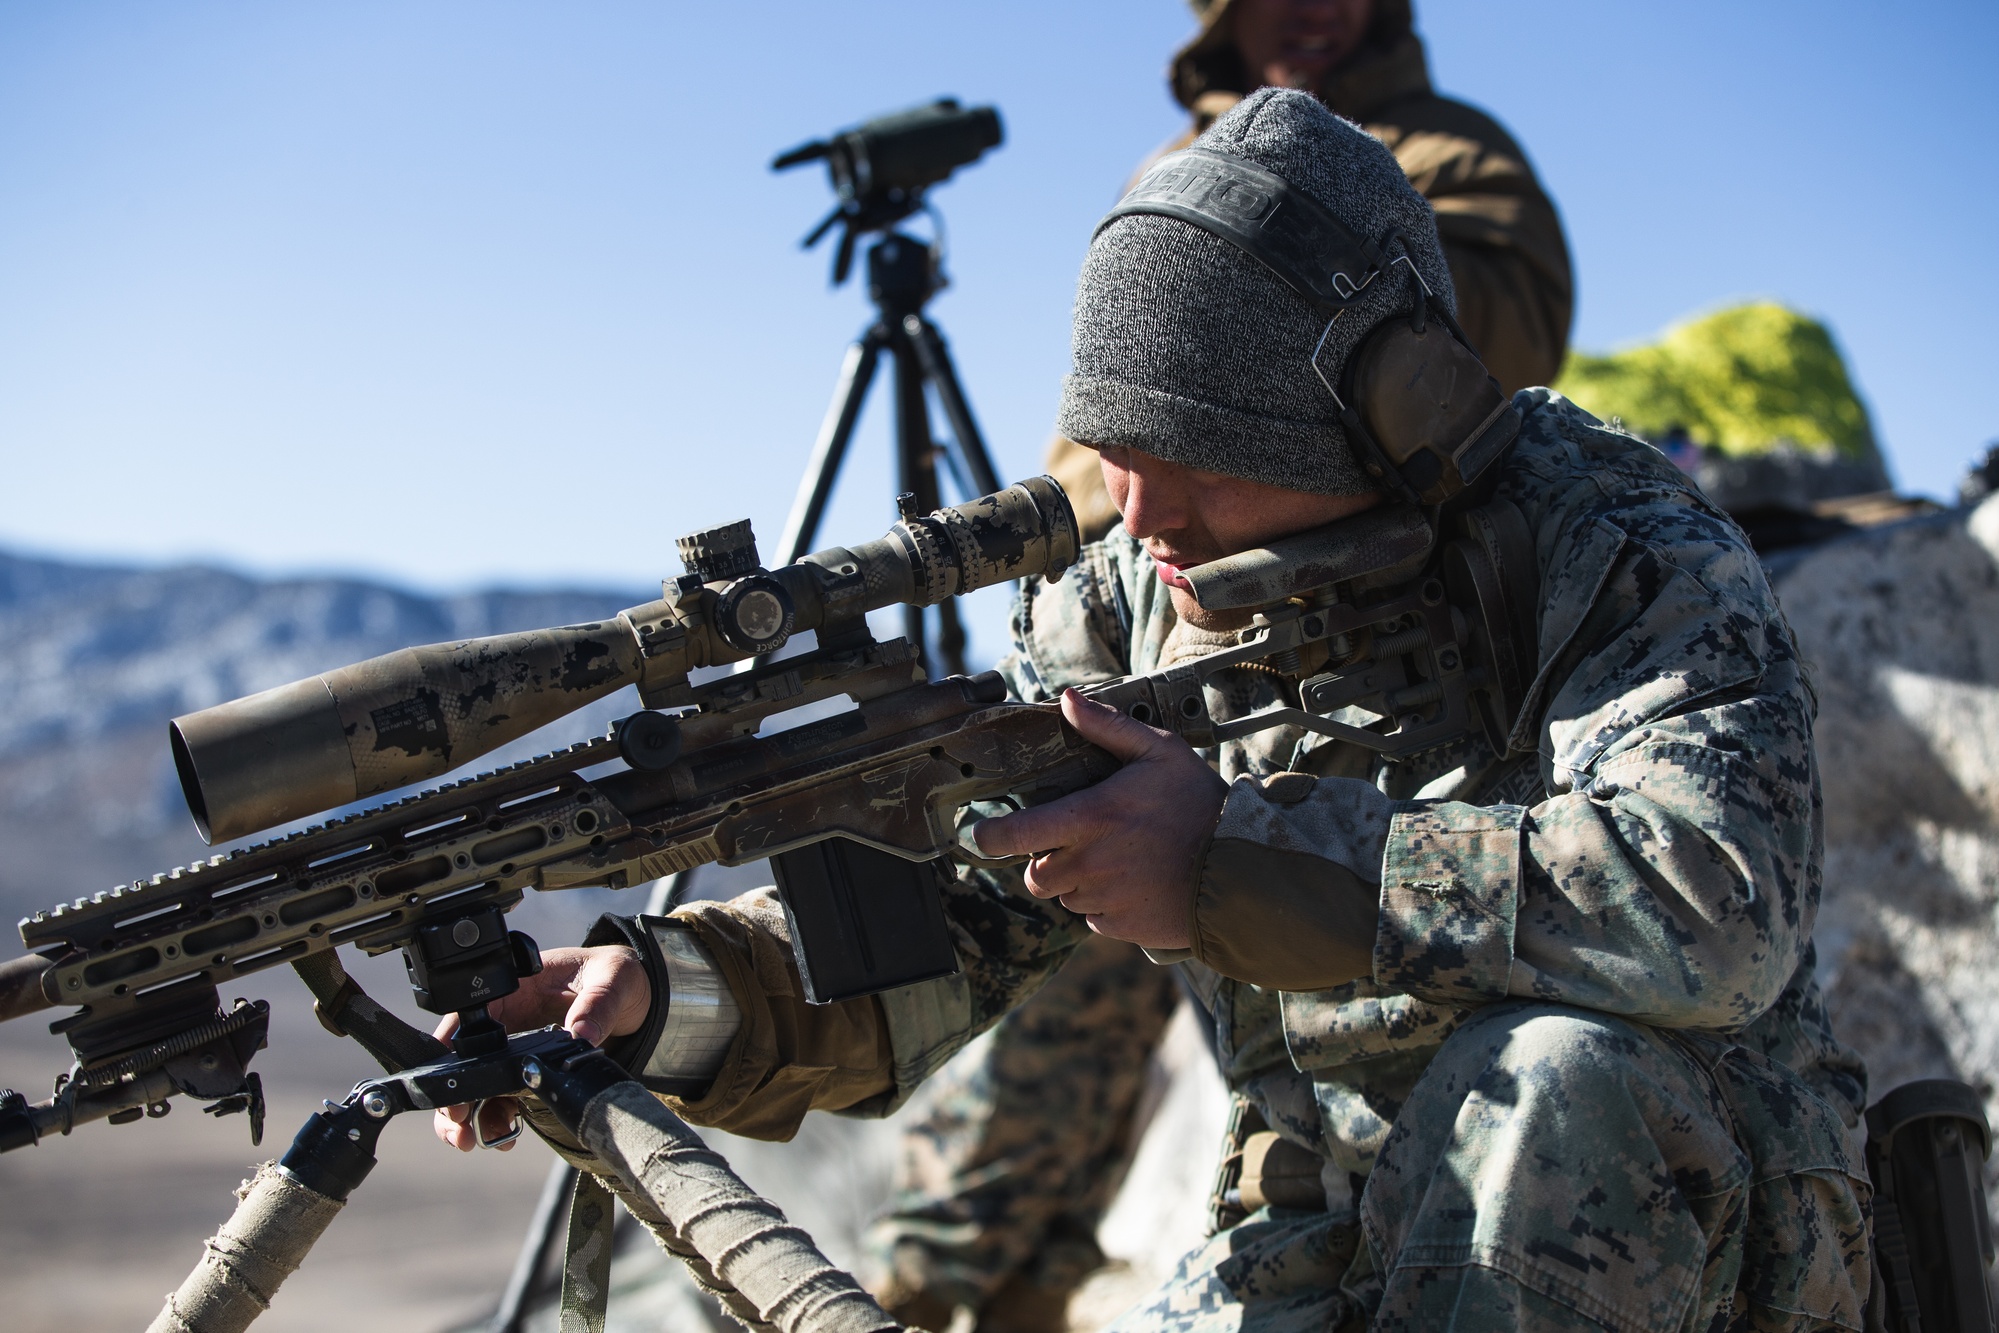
1286, 231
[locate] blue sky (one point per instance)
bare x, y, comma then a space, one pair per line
456, 293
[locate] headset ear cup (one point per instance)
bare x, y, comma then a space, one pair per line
1373, 461
1428, 407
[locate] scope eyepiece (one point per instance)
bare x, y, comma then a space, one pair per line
906, 150
880, 169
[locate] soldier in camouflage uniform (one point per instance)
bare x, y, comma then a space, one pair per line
1517, 1040
1001, 1184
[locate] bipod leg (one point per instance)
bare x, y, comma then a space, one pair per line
857, 372
752, 1253
283, 1212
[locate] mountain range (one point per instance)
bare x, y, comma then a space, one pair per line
94, 659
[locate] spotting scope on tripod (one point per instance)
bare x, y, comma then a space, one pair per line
881, 172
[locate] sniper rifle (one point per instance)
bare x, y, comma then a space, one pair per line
1403, 635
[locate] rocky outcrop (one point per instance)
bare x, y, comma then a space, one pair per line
1738, 382
1900, 628
1784, 477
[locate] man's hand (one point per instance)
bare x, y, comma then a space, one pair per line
596, 994
1122, 852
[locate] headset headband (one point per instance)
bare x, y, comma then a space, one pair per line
1427, 447
1287, 231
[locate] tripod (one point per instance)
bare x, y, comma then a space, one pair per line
902, 277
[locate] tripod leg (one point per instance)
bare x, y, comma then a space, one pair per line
950, 637
916, 473
857, 371
937, 366
670, 892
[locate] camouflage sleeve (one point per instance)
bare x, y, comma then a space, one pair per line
1672, 874
788, 1057
1286, 889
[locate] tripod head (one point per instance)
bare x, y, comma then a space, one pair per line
460, 963
881, 169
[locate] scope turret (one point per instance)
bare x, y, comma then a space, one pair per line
316, 744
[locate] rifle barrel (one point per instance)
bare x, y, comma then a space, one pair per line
21, 986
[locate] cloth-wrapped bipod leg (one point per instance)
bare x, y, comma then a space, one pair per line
745, 1238
243, 1264
566, 1146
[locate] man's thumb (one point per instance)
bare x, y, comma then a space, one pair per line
593, 1016
1100, 724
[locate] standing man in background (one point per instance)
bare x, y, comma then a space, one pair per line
1002, 1184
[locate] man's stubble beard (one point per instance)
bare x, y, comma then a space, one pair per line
1191, 611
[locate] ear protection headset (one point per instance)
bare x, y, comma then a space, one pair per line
1425, 418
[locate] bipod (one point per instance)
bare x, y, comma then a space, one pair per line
736, 1243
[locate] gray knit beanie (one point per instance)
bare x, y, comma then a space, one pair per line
1188, 349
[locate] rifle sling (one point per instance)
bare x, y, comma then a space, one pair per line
586, 1257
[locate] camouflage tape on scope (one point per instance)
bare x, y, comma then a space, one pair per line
316, 744
411, 715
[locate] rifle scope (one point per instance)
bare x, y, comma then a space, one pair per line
316, 744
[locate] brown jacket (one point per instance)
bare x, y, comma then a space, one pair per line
1508, 258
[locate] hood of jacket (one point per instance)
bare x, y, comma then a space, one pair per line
1207, 74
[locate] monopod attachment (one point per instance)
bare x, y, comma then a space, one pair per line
317, 744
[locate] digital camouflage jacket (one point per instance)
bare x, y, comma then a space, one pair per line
1651, 851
